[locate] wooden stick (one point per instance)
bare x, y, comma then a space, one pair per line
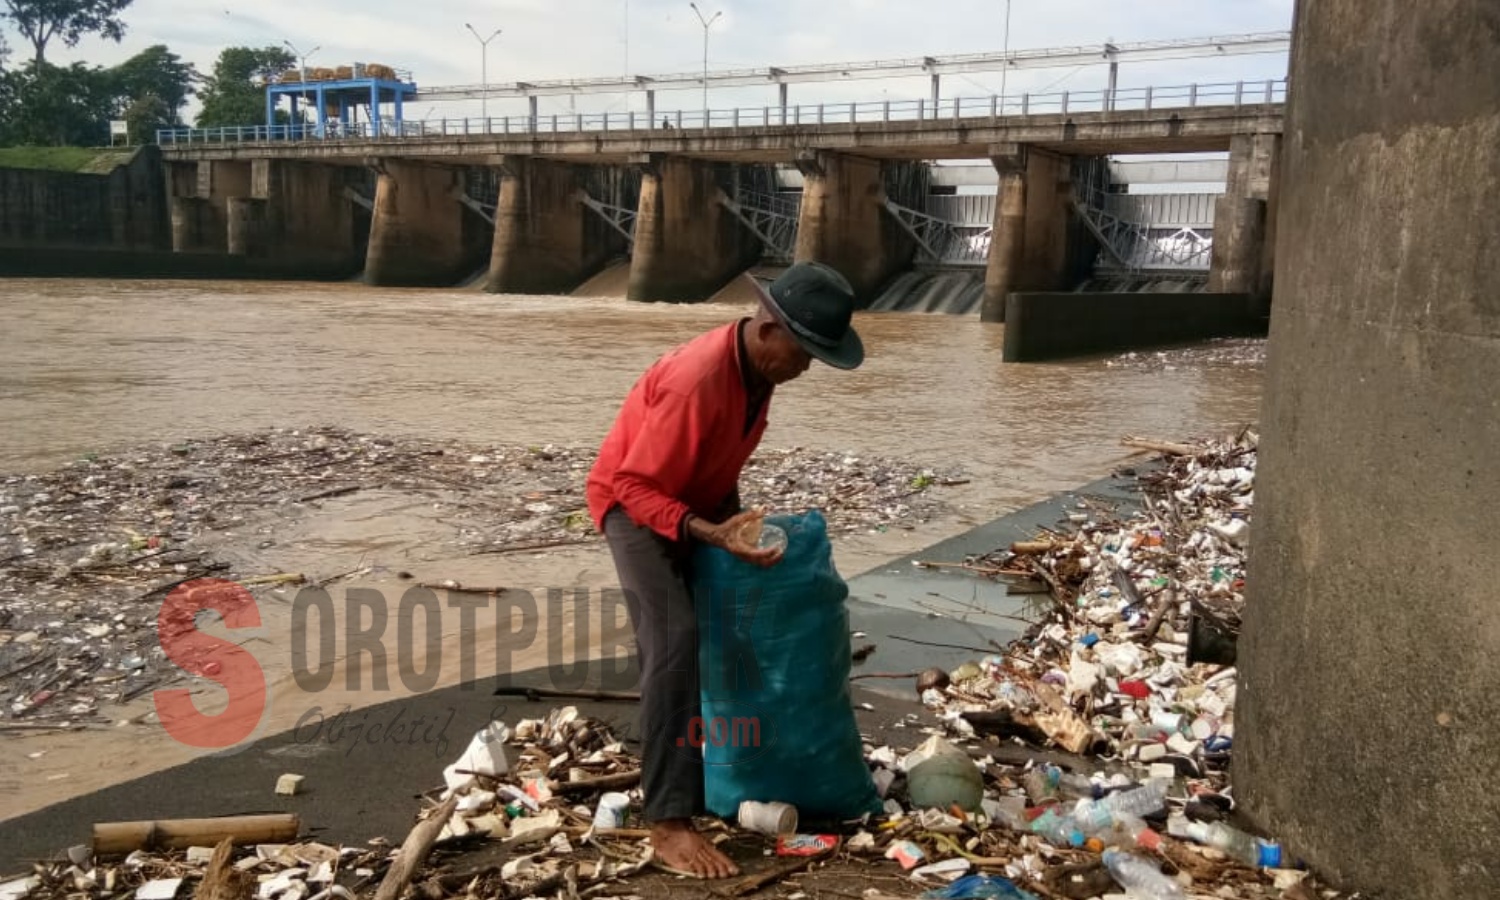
1036, 548
885, 675
753, 883
602, 783
279, 578
454, 587
970, 567
179, 834
1168, 601
534, 693
1166, 447
324, 495
543, 545
414, 851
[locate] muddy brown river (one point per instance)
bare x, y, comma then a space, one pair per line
91, 366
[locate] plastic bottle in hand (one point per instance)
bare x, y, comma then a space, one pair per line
1140, 877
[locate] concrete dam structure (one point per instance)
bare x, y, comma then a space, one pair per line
694, 209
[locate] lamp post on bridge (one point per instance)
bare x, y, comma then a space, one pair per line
302, 62
484, 72
706, 24
1005, 69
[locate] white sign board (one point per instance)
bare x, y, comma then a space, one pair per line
117, 128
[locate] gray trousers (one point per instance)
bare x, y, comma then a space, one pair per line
655, 576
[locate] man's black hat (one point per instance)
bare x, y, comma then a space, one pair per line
816, 304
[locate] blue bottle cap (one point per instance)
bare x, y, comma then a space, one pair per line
1270, 854
1089, 639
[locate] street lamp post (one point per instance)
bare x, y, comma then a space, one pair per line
1005, 69
302, 61
484, 72
706, 24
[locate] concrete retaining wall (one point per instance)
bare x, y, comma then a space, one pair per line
125, 209
1366, 729
1041, 326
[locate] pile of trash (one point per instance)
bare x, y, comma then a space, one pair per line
88, 552
1130, 674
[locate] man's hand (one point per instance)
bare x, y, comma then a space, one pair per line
733, 535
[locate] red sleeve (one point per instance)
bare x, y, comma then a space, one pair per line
653, 476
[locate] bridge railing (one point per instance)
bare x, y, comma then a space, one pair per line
1232, 94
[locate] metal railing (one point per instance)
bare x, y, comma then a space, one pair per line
966, 109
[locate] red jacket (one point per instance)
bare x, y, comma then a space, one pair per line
681, 437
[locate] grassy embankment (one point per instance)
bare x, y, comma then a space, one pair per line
95, 160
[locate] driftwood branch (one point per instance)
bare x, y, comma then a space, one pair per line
222, 881
1167, 447
414, 851
602, 783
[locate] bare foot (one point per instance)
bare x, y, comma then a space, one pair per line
678, 846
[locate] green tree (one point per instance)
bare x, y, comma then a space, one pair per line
51, 105
144, 116
156, 72
235, 94
39, 21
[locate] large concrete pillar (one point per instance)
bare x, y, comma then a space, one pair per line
302, 212
246, 222
200, 194
417, 229
844, 224
1366, 727
1241, 222
1007, 237
687, 245
546, 240
1034, 245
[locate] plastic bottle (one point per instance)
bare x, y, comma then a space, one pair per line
1058, 829
1140, 877
1142, 801
1246, 848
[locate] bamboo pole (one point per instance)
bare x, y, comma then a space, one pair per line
179, 834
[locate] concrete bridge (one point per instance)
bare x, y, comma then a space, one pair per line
552, 200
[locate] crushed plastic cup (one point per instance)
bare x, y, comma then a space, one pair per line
772, 537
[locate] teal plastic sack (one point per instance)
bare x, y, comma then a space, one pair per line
774, 660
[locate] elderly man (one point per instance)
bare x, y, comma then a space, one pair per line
667, 476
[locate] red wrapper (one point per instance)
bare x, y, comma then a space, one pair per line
805, 844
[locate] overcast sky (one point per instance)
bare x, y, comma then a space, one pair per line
568, 38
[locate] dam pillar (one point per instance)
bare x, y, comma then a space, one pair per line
417, 234
200, 195
1366, 658
547, 241
299, 212
1242, 252
844, 223
687, 244
1033, 245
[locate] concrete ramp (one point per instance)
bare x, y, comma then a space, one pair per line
611, 283
958, 293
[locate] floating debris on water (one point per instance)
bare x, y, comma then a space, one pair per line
88, 552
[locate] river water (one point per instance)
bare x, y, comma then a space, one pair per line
92, 366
